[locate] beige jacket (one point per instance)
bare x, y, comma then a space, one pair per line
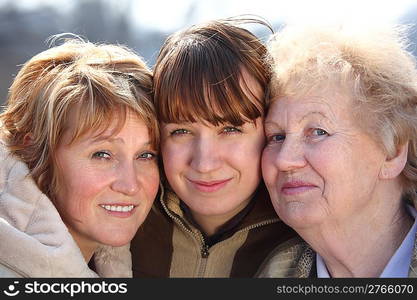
34, 241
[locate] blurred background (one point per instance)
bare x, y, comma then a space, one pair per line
25, 25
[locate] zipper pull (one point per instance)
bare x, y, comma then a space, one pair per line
205, 251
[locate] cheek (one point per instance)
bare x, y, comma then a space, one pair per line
269, 170
329, 166
175, 158
80, 189
345, 169
247, 154
151, 182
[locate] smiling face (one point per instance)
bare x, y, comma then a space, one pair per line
319, 165
213, 169
107, 183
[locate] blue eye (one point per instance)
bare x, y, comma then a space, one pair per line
179, 131
147, 156
101, 155
276, 138
319, 132
231, 129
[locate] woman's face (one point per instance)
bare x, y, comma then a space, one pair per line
319, 165
107, 183
213, 169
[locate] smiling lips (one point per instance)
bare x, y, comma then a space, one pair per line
209, 186
121, 210
296, 187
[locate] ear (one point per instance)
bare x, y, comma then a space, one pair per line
394, 165
28, 139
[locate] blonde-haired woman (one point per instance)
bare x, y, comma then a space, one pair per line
340, 161
79, 119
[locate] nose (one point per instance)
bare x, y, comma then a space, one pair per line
206, 155
290, 156
126, 181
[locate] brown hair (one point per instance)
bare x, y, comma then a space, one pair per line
198, 74
98, 81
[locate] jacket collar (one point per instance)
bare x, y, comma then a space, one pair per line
261, 211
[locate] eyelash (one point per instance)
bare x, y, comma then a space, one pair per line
225, 130
272, 138
319, 129
151, 156
231, 130
98, 155
180, 131
143, 156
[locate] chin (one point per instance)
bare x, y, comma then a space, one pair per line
117, 238
297, 215
116, 242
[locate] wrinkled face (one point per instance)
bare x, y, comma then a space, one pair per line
214, 169
319, 165
107, 183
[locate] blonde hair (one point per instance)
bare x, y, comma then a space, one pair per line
98, 81
372, 65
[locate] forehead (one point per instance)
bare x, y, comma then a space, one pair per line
77, 130
331, 104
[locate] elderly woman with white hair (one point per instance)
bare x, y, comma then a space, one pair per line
340, 162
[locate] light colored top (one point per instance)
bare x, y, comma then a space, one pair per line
399, 263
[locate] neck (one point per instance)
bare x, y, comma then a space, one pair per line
210, 224
86, 246
362, 244
363, 255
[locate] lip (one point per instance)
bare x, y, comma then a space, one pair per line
295, 187
119, 214
209, 186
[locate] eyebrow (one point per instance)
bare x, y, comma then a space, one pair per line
110, 139
314, 113
274, 123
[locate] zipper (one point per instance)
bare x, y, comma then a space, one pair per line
175, 217
260, 224
204, 247
204, 251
